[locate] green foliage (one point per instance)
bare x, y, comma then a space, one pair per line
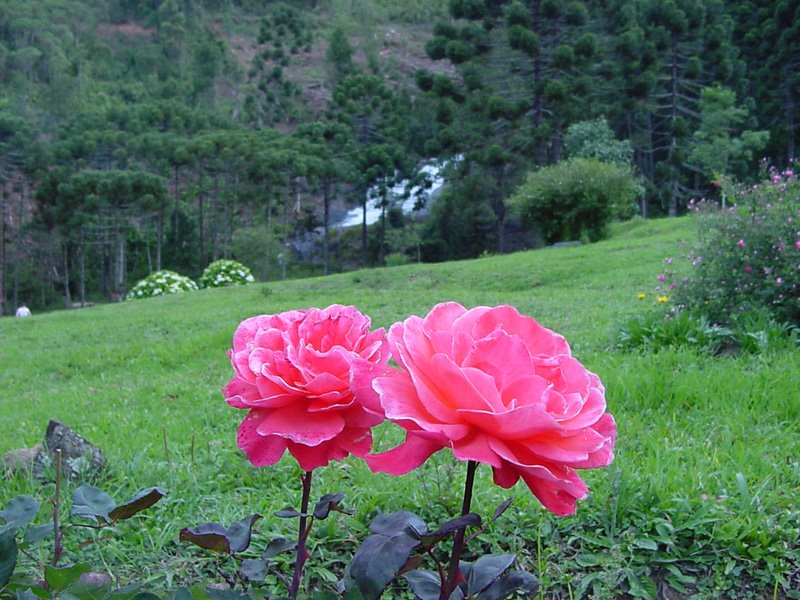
594, 139
721, 146
340, 53
576, 199
224, 272
161, 283
747, 256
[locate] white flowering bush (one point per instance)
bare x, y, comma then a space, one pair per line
225, 272
159, 284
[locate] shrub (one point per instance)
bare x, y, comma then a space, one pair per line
160, 283
748, 256
576, 198
222, 273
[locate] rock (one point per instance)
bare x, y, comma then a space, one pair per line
79, 458
22, 459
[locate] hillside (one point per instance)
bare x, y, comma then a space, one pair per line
696, 433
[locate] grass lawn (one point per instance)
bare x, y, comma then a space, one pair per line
701, 502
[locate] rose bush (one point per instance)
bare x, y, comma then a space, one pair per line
293, 375
497, 388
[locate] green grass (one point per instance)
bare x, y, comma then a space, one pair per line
703, 495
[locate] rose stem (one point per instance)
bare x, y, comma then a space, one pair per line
58, 550
458, 541
302, 534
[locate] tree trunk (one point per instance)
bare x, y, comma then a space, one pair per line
65, 259
673, 145
326, 209
159, 237
82, 259
3, 307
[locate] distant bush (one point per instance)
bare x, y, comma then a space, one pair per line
159, 284
576, 198
748, 257
222, 273
594, 139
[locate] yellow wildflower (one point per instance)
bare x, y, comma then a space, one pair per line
641, 296
663, 298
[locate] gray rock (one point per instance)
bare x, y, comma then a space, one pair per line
22, 459
79, 458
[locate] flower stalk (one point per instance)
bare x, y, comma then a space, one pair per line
458, 541
302, 535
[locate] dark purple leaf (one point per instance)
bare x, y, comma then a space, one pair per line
468, 520
239, 533
378, 560
486, 570
398, 522
278, 546
517, 581
326, 504
253, 569
502, 508
287, 513
92, 502
8, 554
211, 536
425, 584
141, 501
20, 511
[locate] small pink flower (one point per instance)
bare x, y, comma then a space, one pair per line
740, 243
779, 281
748, 268
293, 374
788, 172
797, 245
661, 278
495, 387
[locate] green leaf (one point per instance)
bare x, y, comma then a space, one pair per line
179, 594
60, 578
8, 555
287, 513
26, 594
90, 586
323, 596
141, 501
645, 544
92, 502
215, 594
20, 511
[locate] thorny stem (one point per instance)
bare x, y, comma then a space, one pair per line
58, 549
302, 534
458, 541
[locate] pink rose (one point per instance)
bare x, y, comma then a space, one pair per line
293, 373
498, 388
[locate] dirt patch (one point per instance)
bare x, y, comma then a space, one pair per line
130, 29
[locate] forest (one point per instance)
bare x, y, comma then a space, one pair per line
165, 134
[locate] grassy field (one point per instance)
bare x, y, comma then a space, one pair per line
701, 502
